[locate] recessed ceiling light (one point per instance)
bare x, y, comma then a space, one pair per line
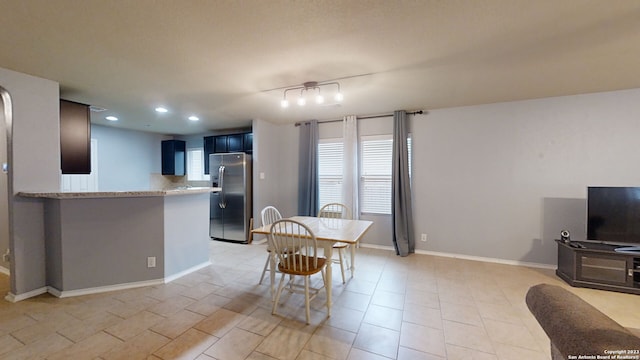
160, 109
194, 118
111, 118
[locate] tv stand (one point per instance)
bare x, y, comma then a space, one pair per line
599, 266
629, 249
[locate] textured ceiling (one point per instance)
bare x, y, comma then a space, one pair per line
228, 61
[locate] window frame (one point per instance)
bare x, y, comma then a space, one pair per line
190, 168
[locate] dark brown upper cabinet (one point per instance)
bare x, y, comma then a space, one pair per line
248, 143
242, 142
220, 144
75, 138
174, 157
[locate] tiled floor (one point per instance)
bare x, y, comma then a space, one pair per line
413, 308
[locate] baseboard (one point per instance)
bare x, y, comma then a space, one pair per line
259, 242
100, 289
5, 271
467, 257
169, 279
15, 298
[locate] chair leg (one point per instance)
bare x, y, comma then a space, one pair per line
264, 270
341, 258
324, 279
280, 287
306, 298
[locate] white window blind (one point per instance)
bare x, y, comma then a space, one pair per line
376, 160
195, 165
330, 171
375, 191
410, 157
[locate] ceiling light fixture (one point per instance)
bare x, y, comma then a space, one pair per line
311, 87
194, 118
96, 108
111, 118
160, 109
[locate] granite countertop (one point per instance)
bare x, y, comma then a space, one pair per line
116, 194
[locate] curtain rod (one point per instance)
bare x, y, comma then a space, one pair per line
360, 118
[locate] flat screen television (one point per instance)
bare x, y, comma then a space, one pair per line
613, 215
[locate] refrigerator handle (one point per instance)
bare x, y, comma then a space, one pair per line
222, 202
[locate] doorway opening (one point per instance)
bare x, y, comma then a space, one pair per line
5, 191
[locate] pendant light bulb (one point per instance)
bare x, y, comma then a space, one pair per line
301, 100
311, 91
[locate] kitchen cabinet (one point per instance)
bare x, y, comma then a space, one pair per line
208, 150
235, 143
174, 157
242, 142
220, 144
248, 143
75, 138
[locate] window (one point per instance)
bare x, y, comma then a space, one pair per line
330, 171
375, 170
195, 165
375, 181
410, 157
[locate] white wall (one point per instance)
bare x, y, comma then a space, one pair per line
502, 180
275, 154
186, 233
36, 131
126, 158
34, 166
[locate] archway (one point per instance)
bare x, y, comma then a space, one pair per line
5, 189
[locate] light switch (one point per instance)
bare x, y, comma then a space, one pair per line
5, 168
261, 176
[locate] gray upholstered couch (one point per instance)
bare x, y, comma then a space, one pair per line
576, 328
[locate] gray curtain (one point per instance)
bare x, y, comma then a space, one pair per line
401, 213
308, 169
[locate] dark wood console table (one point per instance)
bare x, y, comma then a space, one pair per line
598, 266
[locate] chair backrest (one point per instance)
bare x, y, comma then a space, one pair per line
335, 211
270, 215
294, 244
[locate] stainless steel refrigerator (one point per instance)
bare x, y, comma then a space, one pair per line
230, 209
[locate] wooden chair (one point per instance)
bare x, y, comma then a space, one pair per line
284, 236
337, 211
269, 215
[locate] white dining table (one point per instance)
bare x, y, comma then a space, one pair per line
328, 231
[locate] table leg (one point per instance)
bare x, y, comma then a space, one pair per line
272, 273
328, 251
353, 258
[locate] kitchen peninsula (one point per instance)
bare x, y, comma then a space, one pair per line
102, 241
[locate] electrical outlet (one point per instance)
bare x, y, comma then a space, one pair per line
151, 262
423, 237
